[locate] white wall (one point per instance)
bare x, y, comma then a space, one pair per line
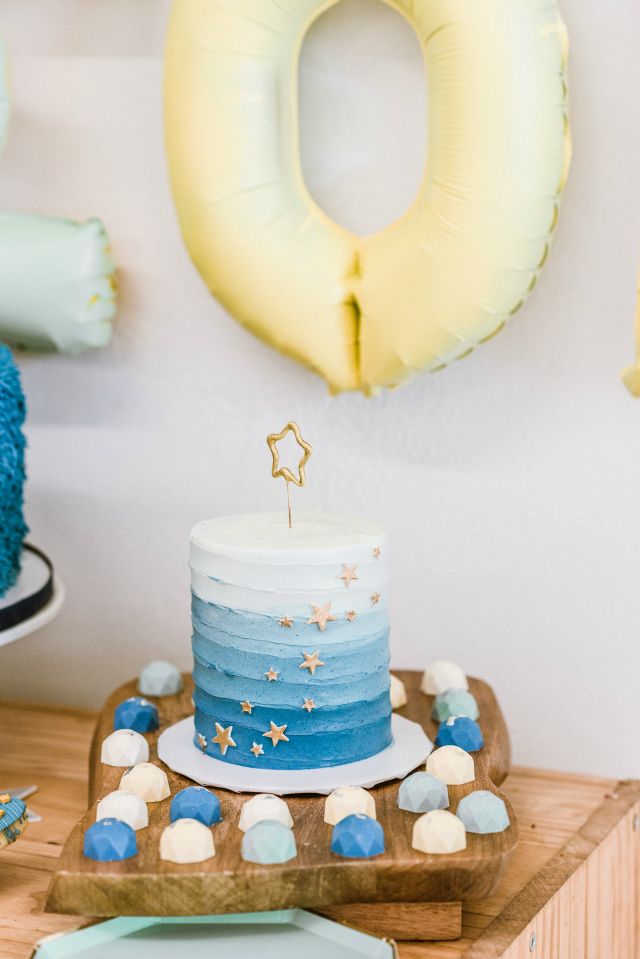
510, 482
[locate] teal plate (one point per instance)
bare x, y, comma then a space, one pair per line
267, 935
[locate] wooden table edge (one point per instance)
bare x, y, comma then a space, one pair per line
522, 910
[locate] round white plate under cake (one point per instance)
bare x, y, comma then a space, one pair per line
33, 577
410, 748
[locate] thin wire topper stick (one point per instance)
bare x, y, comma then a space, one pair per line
284, 471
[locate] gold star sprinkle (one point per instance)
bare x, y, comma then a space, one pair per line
202, 742
351, 615
321, 616
309, 705
257, 749
246, 706
376, 552
276, 734
2, 812
348, 573
272, 674
375, 599
311, 662
223, 738
286, 622
5, 797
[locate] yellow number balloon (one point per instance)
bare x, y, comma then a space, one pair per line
369, 312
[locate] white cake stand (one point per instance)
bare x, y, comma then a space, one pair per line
33, 577
409, 749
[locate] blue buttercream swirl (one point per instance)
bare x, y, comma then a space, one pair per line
13, 528
351, 715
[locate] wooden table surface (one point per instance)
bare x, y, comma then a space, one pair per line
574, 881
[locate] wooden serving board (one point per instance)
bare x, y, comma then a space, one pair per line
316, 878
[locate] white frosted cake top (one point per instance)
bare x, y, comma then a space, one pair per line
255, 562
269, 533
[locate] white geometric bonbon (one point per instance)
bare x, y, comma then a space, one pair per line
264, 806
187, 840
348, 801
124, 747
397, 693
452, 765
147, 781
439, 832
125, 806
442, 675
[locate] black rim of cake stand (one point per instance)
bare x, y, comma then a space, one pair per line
26, 608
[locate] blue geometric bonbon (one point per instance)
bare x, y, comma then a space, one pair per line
110, 840
136, 713
357, 837
460, 731
196, 802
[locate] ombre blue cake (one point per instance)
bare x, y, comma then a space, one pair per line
290, 640
12, 444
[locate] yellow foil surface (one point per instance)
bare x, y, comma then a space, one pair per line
369, 312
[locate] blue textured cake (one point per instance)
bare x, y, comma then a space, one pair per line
12, 443
290, 640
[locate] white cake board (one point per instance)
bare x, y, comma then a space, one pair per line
33, 576
409, 749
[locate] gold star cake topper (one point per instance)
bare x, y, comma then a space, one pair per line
276, 471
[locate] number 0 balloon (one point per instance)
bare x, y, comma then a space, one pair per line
369, 312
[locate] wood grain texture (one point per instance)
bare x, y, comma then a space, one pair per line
596, 872
146, 885
51, 745
418, 921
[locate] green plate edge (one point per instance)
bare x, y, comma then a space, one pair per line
65, 945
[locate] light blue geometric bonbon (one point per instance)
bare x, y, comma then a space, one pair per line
460, 731
357, 837
455, 702
422, 792
483, 812
196, 802
138, 714
160, 678
268, 842
110, 840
